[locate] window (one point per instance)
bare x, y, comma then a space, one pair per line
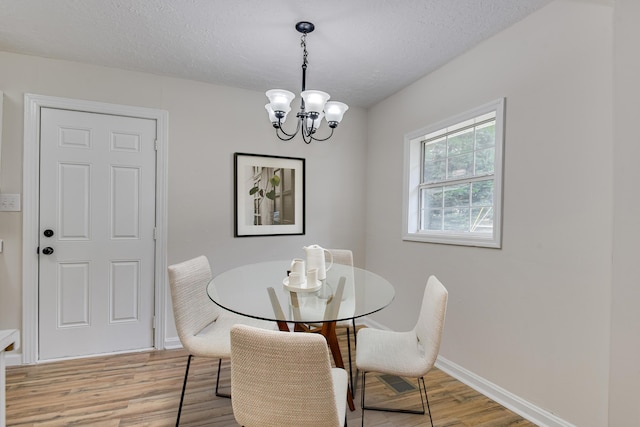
453, 179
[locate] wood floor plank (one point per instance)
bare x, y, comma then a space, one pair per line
143, 390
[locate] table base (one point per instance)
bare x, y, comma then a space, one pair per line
328, 331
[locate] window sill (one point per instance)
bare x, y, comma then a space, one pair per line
454, 239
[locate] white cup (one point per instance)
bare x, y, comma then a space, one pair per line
297, 266
312, 277
296, 279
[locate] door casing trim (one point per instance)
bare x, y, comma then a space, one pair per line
30, 206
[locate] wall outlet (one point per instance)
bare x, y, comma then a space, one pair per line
9, 202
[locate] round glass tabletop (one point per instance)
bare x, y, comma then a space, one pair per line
260, 291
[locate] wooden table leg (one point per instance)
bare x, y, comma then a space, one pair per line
283, 326
328, 331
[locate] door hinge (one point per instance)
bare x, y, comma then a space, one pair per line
156, 144
153, 322
155, 233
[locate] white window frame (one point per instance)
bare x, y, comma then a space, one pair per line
412, 180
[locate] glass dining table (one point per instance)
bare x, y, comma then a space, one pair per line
262, 291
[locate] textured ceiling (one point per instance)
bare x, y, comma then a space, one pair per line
361, 51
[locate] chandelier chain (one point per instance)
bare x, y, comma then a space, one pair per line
303, 44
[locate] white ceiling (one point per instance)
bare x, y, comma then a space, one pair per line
360, 52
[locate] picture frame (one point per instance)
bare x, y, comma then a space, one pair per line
269, 195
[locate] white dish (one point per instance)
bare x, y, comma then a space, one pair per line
303, 287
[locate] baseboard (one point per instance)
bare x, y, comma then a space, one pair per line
525, 409
13, 359
172, 343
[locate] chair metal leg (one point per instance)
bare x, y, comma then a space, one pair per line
184, 386
355, 334
354, 384
362, 396
353, 390
404, 411
426, 396
227, 395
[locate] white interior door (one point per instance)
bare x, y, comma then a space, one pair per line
97, 224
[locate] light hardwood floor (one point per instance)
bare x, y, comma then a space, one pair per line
143, 389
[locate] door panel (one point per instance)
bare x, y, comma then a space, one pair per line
73, 188
73, 294
97, 195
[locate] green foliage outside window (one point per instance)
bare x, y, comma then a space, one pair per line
466, 155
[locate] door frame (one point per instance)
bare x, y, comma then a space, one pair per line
30, 205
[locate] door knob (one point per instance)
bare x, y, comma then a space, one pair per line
48, 233
48, 250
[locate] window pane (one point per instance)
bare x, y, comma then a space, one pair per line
435, 171
435, 150
482, 193
430, 211
432, 219
456, 219
456, 195
461, 142
486, 135
485, 161
432, 198
460, 166
482, 220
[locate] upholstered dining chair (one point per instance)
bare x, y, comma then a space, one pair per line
285, 379
203, 327
407, 354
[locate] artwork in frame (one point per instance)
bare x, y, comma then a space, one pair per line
269, 195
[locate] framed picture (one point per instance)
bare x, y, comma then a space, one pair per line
269, 195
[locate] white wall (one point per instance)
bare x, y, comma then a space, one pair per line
207, 124
625, 322
532, 317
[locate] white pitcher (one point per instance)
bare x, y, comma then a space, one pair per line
315, 259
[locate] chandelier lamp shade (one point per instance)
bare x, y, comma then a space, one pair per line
315, 104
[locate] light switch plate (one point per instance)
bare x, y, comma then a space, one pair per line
9, 202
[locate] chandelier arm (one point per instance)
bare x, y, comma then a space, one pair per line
306, 138
321, 139
307, 133
290, 136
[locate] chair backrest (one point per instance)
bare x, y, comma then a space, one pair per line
431, 320
340, 256
345, 257
281, 379
192, 308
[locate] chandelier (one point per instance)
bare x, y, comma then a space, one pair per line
313, 107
